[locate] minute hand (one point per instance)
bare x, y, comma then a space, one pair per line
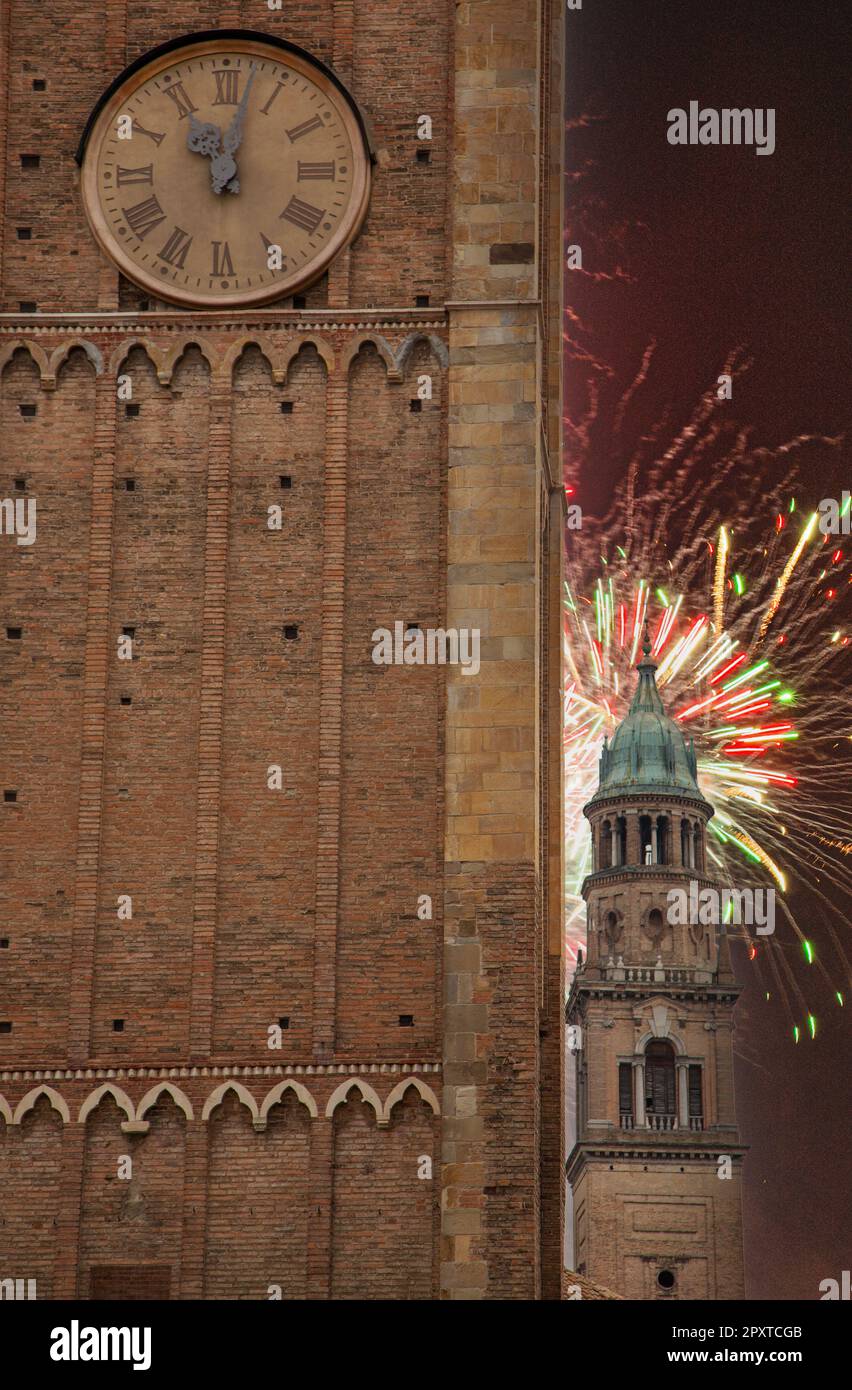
234, 134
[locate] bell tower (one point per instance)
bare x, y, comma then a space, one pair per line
656, 1168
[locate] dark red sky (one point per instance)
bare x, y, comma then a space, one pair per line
728, 247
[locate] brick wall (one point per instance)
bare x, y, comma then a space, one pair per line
253, 904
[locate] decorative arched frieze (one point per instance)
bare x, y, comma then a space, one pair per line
92, 1101
170, 357
406, 347
274, 1096
219, 1094
60, 355
6, 1110
151, 1097
383, 348
295, 346
425, 1092
37, 355
264, 346
367, 1093
154, 354
28, 1102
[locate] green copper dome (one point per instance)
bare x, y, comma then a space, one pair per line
648, 752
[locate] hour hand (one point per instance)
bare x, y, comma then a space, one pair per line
203, 138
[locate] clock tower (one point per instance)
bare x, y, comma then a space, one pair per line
280, 939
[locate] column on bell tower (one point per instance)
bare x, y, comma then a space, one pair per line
634, 848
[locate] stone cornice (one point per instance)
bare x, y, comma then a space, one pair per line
252, 320
656, 798
645, 873
704, 1147
176, 1072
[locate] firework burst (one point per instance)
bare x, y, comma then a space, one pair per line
745, 604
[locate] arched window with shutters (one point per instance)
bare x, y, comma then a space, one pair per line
660, 1090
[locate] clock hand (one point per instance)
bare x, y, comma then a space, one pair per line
234, 134
224, 167
203, 138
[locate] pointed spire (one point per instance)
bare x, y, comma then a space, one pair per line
647, 696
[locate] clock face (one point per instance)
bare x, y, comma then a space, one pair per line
225, 172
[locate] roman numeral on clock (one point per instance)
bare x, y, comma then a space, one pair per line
264, 110
178, 95
302, 215
144, 174
305, 128
143, 217
175, 249
222, 263
227, 88
315, 171
152, 134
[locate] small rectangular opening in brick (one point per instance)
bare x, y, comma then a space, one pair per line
118, 1025
14, 634
285, 480
28, 410
10, 795
30, 161
406, 1020
5, 1026
24, 233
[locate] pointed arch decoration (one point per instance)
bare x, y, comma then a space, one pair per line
406, 347
383, 348
219, 1094
154, 354
171, 358
151, 1097
93, 1100
292, 349
28, 1102
37, 355
265, 347
60, 356
341, 1094
300, 1091
397, 1094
